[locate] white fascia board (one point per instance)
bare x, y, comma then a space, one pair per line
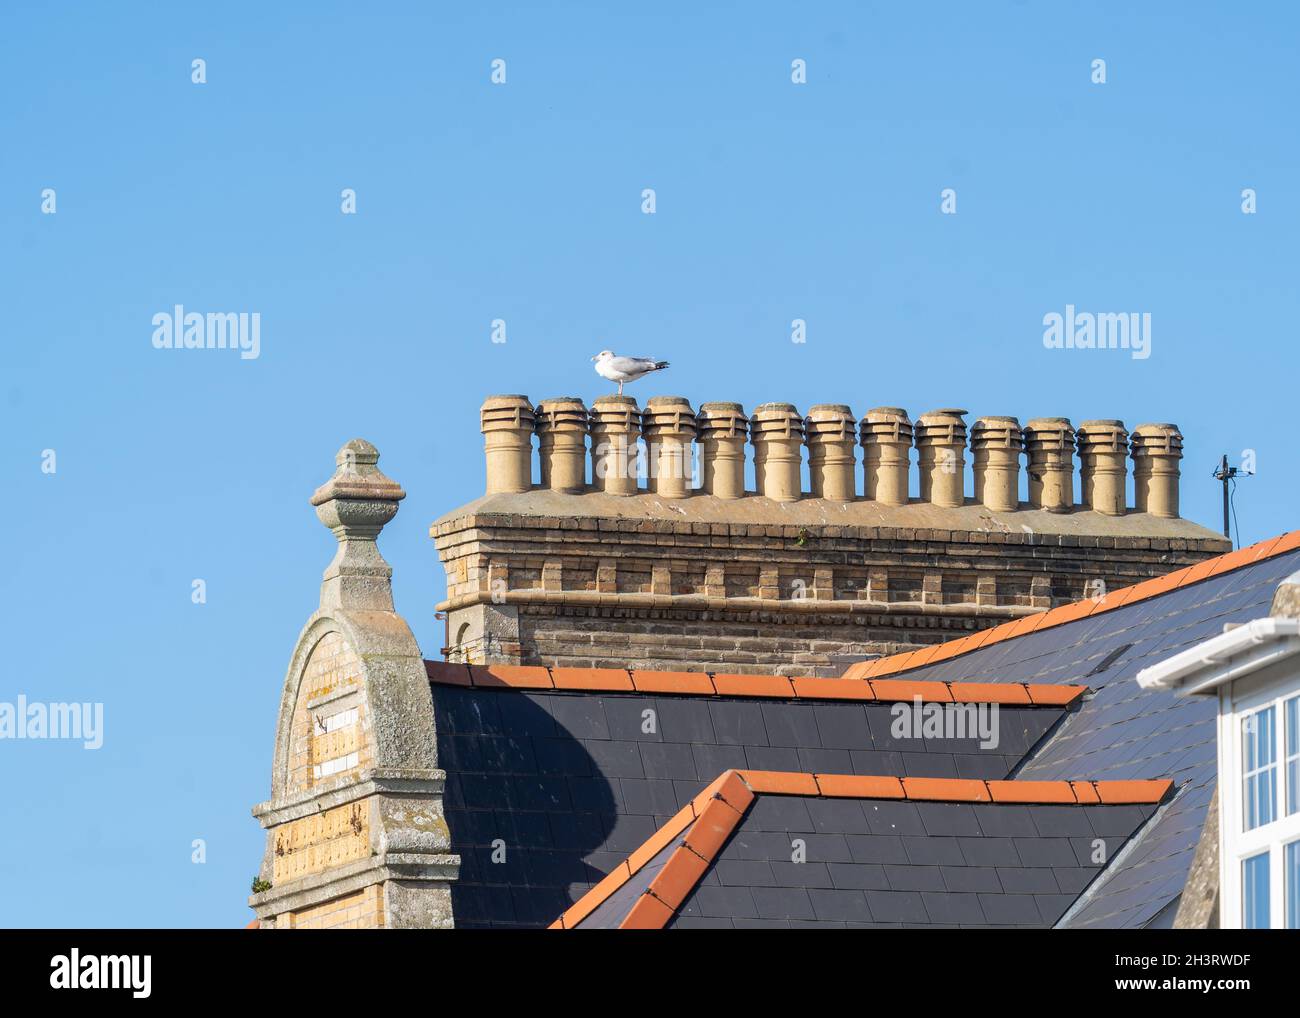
1224, 658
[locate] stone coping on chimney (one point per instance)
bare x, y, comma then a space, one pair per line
546, 508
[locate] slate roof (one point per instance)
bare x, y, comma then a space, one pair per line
556, 779
875, 852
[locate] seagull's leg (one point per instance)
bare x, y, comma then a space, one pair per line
620, 388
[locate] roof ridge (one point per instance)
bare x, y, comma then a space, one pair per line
707, 821
893, 664
634, 680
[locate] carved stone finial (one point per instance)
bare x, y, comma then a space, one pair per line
356, 503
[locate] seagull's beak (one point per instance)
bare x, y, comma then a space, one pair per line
594, 357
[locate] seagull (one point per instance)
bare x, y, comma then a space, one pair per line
624, 369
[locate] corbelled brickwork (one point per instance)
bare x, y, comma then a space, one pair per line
657, 571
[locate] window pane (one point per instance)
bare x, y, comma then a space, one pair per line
1293, 755
1254, 892
1292, 867
1259, 766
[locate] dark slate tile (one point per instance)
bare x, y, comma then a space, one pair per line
791, 725
538, 906
779, 813
783, 903
999, 820
826, 847
989, 851
649, 797
1061, 821
725, 902
1095, 852
1073, 881
971, 879
772, 758
627, 718
738, 723
856, 876
1116, 821
878, 848
522, 713
1010, 909
840, 905
838, 816
929, 765
892, 817
800, 874
880, 721
716, 759
843, 726
1024, 880
825, 761
948, 818
748, 843
529, 830
1045, 852
484, 791
669, 760
946, 907
464, 711
761, 924
876, 762
581, 831
685, 719
540, 792
1052, 906
914, 878
897, 907
981, 766
932, 850
553, 869
629, 833
562, 756
579, 716
594, 795
744, 873
700, 923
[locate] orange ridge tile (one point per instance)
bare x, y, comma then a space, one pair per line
677, 878
715, 825
854, 786
448, 673
1048, 695
753, 685
946, 789
1117, 792
590, 901
990, 692
831, 689
649, 913
780, 782
1287, 542
1084, 793
691, 683
602, 680
510, 677
1265, 549
669, 832
904, 691
1032, 791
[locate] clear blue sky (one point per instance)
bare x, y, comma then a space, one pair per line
522, 202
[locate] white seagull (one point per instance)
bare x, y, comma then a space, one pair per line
624, 369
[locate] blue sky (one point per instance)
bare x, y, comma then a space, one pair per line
522, 202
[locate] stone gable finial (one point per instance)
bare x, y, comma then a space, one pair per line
356, 503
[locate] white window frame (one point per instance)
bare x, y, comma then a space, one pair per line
1238, 843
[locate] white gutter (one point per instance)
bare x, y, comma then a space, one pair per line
1203, 668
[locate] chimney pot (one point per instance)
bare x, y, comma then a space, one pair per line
722, 429
1103, 452
668, 423
1156, 450
1049, 443
996, 444
941, 447
507, 423
830, 431
776, 431
885, 434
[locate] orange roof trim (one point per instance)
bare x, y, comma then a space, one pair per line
705, 824
618, 680
1240, 559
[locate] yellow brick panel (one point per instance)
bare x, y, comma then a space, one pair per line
321, 842
362, 910
316, 755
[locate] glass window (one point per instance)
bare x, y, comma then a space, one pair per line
1254, 892
1292, 885
1259, 767
1291, 709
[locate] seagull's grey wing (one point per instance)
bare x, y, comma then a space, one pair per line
631, 365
